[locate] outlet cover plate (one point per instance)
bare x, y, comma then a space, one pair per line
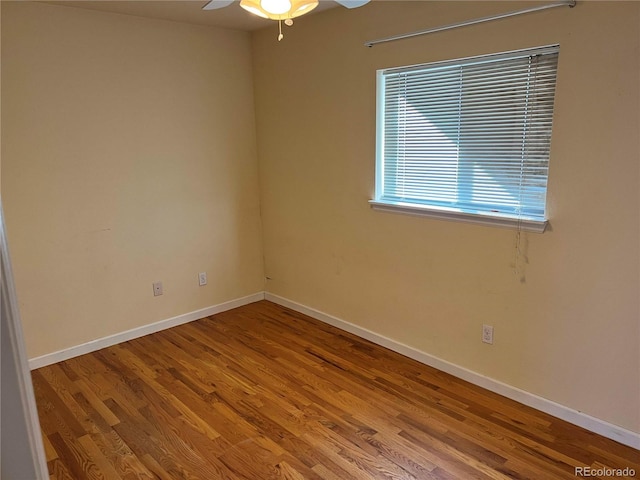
487, 334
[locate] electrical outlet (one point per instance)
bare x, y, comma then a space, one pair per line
487, 334
157, 288
202, 278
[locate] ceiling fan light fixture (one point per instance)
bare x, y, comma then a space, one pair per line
275, 7
254, 10
304, 8
300, 7
279, 9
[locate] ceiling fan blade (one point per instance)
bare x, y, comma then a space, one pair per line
352, 3
215, 4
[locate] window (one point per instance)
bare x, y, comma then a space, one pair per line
468, 139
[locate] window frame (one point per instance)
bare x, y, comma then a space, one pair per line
467, 215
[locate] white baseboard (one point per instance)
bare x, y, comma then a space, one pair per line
570, 415
100, 343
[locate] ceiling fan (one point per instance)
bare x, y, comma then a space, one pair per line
280, 10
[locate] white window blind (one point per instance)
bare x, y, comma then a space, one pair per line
468, 136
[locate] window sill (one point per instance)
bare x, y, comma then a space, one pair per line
526, 225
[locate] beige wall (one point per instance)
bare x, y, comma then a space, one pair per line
569, 330
128, 156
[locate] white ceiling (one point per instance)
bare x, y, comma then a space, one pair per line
189, 11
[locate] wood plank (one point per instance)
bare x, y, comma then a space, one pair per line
263, 392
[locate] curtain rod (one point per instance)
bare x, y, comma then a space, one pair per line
563, 3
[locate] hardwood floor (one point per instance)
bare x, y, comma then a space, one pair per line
262, 392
